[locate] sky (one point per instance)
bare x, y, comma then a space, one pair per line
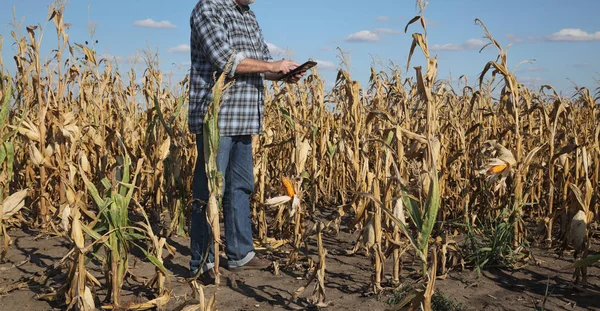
560, 38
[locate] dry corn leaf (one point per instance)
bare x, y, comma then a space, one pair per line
29, 130
85, 164
159, 303
49, 151
66, 213
577, 230
165, 148
77, 232
88, 300
12, 204
303, 148
36, 156
276, 201
12, 287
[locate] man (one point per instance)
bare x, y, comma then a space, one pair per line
224, 31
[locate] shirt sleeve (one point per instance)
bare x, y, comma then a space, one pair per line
208, 26
266, 52
265, 48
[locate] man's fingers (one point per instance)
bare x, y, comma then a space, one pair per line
287, 66
291, 62
297, 77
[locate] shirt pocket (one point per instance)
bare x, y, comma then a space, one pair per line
237, 36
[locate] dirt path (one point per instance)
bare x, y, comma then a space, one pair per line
347, 281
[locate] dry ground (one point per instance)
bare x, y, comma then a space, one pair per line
347, 277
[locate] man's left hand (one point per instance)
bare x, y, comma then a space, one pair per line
296, 78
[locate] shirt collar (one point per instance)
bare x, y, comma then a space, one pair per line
241, 8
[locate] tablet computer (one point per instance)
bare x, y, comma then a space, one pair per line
307, 65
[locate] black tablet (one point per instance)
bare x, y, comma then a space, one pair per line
309, 64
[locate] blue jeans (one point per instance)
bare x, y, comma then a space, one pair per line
234, 160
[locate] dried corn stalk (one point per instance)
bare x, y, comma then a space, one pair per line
9, 207
318, 297
211, 138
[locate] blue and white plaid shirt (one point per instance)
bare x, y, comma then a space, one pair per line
222, 30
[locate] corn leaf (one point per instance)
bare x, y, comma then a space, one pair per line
154, 260
432, 205
414, 213
9, 155
5, 104
585, 262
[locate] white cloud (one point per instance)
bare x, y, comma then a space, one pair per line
131, 59
371, 35
513, 38
275, 50
182, 48
471, 44
431, 22
530, 81
150, 23
326, 65
573, 34
388, 31
279, 52
382, 18
363, 36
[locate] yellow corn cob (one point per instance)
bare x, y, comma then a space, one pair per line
289, 187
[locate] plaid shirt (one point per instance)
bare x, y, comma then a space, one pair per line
222, 30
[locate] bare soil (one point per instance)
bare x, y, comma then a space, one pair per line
347, 281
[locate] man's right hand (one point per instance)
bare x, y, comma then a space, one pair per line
283, 66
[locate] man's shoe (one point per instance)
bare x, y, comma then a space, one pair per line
206, 278
255, 264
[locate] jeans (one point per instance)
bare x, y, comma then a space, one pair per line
234, 160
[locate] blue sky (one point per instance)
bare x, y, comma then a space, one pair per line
562, 36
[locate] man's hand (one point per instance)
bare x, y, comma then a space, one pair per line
279, 68
295, 78
283, 66
272, 70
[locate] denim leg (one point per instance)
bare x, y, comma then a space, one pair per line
236, 203
200, 232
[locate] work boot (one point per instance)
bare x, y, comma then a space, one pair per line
206, 278
255, 264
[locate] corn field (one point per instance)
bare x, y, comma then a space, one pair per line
408, 162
